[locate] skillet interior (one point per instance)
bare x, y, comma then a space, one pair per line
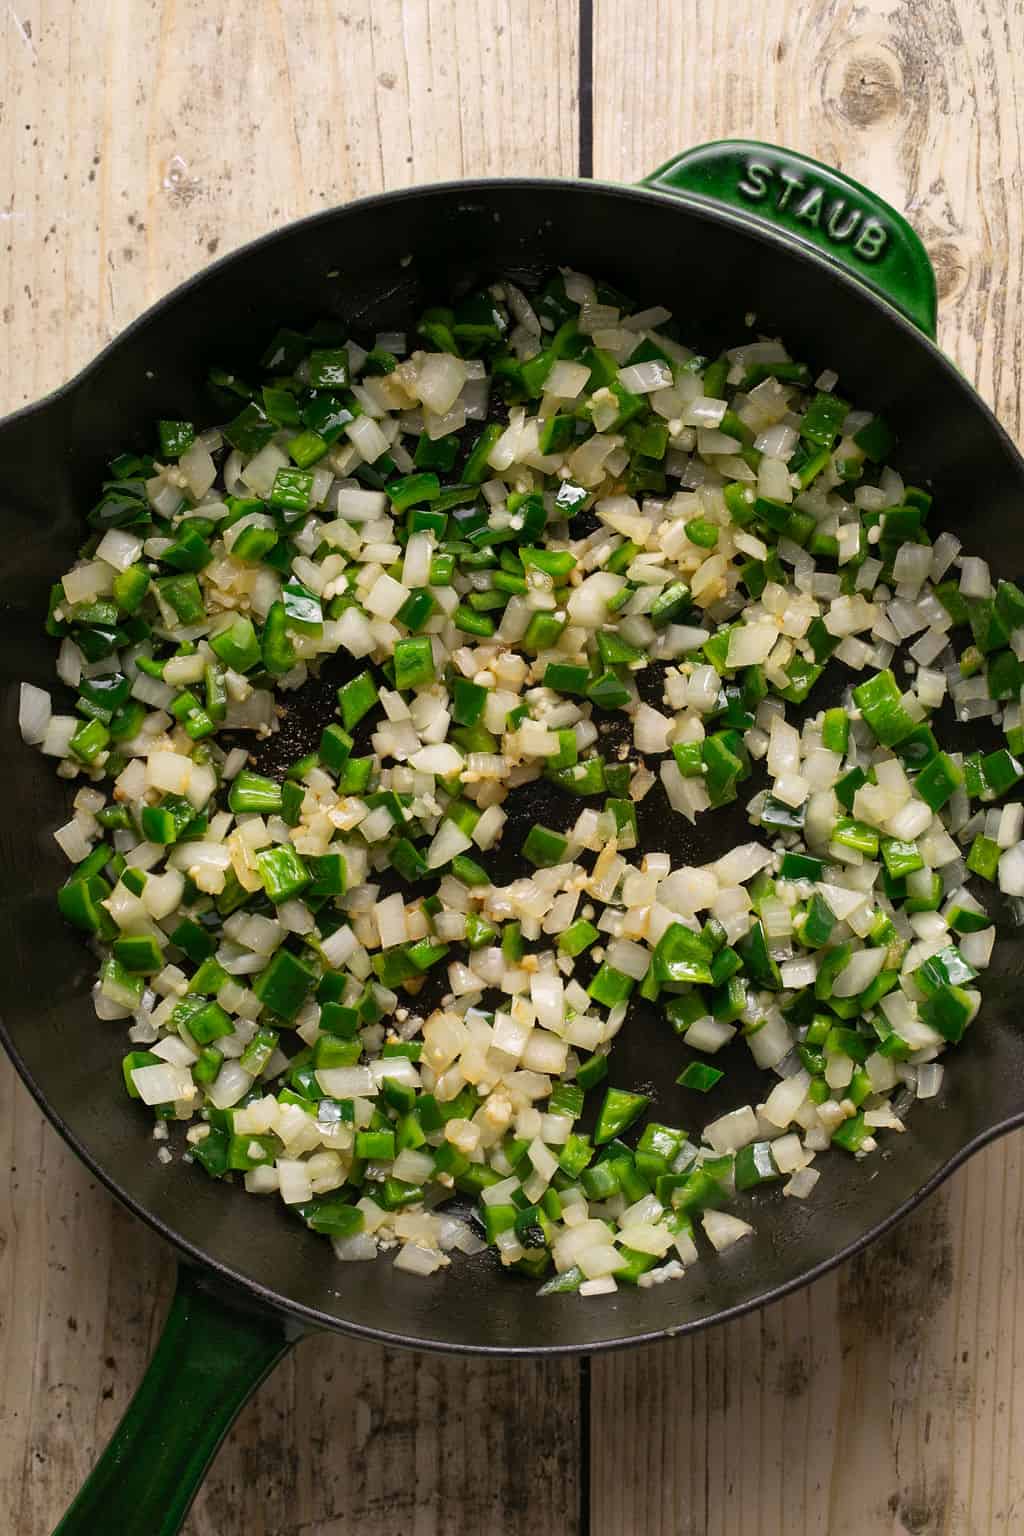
376, 263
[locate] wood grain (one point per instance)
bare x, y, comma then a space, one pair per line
344, 1436
138, 142
887, 1398
141, 140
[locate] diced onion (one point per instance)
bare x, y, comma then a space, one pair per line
34, 712
164, 1084
636, 643
724, 1230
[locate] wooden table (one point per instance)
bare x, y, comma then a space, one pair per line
138, 141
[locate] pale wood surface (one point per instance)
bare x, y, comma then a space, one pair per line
137, 141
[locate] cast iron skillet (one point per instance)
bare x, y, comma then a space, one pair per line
718, 233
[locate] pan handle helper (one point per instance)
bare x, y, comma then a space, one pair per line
815, 206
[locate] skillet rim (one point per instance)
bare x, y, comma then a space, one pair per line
237, 1290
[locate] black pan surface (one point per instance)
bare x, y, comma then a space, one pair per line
375, 264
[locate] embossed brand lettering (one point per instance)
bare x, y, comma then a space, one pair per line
835, 217
871, 240
755, 183
810, 207
791, 182
835, 226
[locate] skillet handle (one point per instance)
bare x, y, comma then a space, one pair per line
814, 206
210, 1357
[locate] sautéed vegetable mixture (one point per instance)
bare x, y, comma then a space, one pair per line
533, 528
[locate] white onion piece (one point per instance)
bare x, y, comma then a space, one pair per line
802, 1183
975, 578
367, 437
859, 972
566, 380
346, 1082
770, 1044
449, 841
120, 548
750, 644
732, 1131
709, 1035
260, 472
73, 841
439, 380
34, 712
785, 1099
199, 470
724, 1230
645, 378
356, 1249
1011, 871
704, 411
57, 736
167, 1083
929, 1079
86, 582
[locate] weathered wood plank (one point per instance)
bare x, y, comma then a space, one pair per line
143, 142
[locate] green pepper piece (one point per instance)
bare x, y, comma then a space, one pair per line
278, 650
414, 663
140, 954
700, 1077
939, 780
610, 986
356, 698
237, 646
176, 437
823, 419
818, 923
543, 847
407, 491
592, 1071
254, 794
282, 871
755, 1165
983, 858
757, 958
949, 1011
881, 704
670, 604
284, 984
189, 552
618, 1111
682, 955
851, 1134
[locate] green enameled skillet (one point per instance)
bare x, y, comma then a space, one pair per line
718, 234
